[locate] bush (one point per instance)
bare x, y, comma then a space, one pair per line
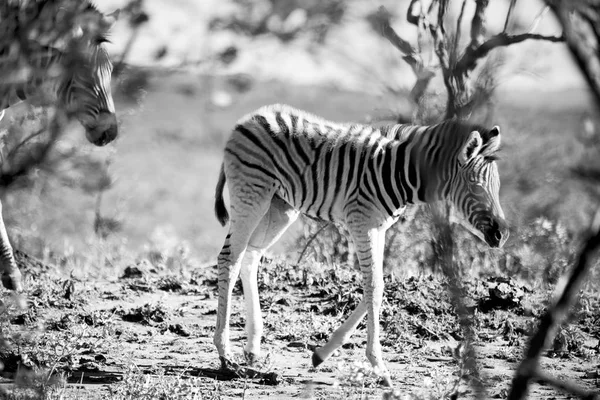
539, 252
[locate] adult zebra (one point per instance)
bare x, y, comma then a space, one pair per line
280, 161
75, 77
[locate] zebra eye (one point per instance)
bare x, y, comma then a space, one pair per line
100, 40
478, 189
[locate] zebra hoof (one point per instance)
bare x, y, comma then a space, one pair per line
316, 359
227, 365
12, 281
386, 381
250, 358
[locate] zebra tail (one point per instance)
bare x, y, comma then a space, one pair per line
220, 209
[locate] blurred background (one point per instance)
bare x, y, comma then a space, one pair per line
192, 68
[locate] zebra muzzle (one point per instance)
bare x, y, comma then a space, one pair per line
104, 130
496, 233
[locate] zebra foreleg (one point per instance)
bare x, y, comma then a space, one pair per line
371, 265
11, 276
341, 335
370, 247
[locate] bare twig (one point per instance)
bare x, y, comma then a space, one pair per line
578, 23
411, 55
310, 240
38, 157
537, 19
441, 51
137, 18
458, 27
412, 16
22, 143
120, 64
509, 14
440, 47
431, 7
443, 9
565, 386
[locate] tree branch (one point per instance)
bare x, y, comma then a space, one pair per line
442, 8
478, 24
458, 27
580, 39
479, 48
583, 41
439, 39
554, 317
469, 60
440, 47
411, 55
411, 16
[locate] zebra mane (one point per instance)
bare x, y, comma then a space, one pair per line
91, 6
490, 141
86, 5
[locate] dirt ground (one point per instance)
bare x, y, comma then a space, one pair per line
150, 320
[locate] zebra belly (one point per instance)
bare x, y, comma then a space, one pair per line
332, 210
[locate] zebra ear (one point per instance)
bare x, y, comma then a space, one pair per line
110, 19
113, 16
493, 143
78, 31
471, 148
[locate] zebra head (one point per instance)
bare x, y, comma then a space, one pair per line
86, 91
477, 187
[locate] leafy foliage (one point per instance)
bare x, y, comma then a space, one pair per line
285, 20
148, 314
539, 252
137, 385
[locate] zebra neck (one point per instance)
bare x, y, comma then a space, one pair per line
419, 176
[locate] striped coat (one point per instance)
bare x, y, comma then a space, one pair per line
280, 162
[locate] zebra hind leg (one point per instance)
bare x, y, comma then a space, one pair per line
245, 216
274, 223
11, 276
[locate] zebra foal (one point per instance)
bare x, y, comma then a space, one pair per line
78, 80
280, 162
